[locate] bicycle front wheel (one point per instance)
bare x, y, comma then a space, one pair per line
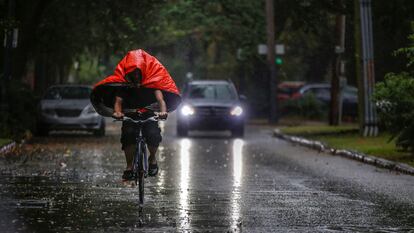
141, 171
141, 187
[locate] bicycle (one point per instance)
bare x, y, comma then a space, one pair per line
140, 162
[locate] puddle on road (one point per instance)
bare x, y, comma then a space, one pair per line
32, 204
72, 207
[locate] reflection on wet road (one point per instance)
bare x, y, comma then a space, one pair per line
71, 183
185, 145
237, 173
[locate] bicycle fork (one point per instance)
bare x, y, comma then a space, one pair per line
142, 153
141, 164
143, 159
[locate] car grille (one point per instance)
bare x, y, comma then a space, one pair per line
212, 111
68, 112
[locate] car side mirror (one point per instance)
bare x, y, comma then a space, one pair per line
243, 98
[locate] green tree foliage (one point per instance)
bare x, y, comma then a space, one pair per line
214, 39
409, 51
55, 33
395, 100
218, 40
206, 35
226, 33
392, 24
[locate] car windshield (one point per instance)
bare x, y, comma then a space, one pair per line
57, 93
211, 91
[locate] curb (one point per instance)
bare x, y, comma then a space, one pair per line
368, 159
8, 148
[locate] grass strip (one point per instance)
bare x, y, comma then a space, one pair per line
5, 141
319, 130
346, 137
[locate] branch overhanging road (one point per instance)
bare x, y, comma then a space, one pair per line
208, 182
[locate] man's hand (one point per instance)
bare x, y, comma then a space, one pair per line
118, 108
162, 115
118, 115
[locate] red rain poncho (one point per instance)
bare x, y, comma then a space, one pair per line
154, 77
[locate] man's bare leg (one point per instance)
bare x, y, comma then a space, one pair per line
129, 156
153, 150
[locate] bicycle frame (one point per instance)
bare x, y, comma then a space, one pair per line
140, 162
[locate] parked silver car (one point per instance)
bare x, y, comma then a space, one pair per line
67, 107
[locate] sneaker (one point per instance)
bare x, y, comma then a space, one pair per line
128, 175
153, 169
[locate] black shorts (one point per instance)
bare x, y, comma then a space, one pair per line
150, 130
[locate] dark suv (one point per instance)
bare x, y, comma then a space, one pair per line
210, 105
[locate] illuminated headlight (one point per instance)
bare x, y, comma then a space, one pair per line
237, 111
187, 110
89, 110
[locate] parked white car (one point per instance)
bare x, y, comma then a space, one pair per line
68, 107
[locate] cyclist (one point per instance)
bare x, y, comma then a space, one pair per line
142, 84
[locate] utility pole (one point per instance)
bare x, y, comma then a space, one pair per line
270, 22
365, 67
338, 80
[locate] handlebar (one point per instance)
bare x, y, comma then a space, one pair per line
125, 118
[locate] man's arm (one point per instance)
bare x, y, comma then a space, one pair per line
163, 107
118, 108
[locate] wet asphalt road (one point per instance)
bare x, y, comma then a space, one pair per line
207, 183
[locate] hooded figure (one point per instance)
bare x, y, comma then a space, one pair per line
136, 76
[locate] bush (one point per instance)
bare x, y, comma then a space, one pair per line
395, 104
307, 106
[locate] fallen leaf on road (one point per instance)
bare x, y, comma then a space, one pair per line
62, 165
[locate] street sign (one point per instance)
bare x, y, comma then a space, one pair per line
262, 49
279, 49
